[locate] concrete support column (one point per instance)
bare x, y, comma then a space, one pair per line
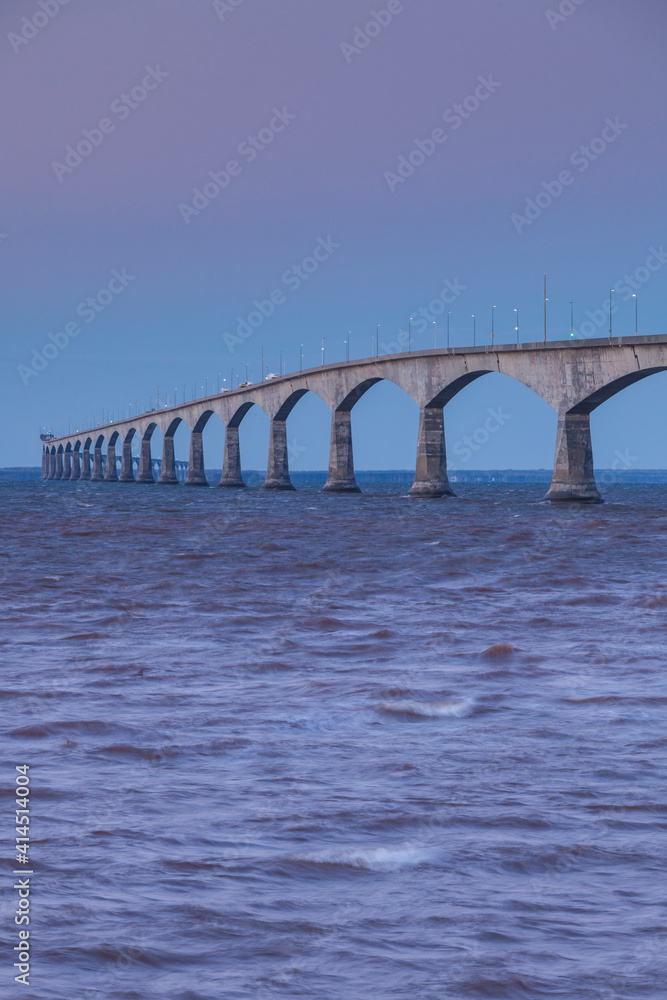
76, 465
431, 471
85, 464
231, 463
126, 467
196, 476
145, 474
51, 466
45, 473
574, 478
341, 463
59, 465
277, 471
97, 464
168, 475
67, 465
111, 473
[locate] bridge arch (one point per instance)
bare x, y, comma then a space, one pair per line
605, 392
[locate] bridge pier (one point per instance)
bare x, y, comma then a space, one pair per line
277, 471
59, 465
431, 471
97, 476
126, 467
231, 464
111, 473
145, 474
168, 475
67, 464
196, 475
574, 478
341, 463
85, 464
44, 464
76, 465
51, 474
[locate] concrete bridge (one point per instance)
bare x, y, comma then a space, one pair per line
574, 377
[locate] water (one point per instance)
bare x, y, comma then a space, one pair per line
302, 745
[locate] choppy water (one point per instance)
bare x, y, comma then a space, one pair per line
301, 745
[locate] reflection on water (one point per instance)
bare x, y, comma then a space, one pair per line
304, 745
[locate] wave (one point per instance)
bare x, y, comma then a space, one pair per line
375, 859
429, 709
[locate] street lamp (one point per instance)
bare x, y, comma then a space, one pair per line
517, 325
571, 319
449, 313
474, 330
377, 340
493, 323
611, 306
347, 347
322, 351
435, 335
300, 357
636, 314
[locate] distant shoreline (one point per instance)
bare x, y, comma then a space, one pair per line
32, 473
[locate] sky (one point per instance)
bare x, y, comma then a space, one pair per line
175, 161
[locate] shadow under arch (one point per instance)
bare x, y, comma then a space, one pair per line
605, 392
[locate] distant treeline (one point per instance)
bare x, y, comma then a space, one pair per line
252, 476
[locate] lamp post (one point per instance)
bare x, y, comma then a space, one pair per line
409, 334
611, 311
449, 313
636, 314
517, 325
347, 347
474, 330
322, 351
493, 323
300, 357
435, 335
377, 340
545, 308
571, 319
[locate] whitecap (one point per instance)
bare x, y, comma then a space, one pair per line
375, 859
430, 709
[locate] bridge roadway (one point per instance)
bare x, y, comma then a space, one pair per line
574, 377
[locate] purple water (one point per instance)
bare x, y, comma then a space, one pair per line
356, 747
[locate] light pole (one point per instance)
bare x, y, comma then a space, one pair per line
246, 371
323, 352
611, 310
517, 325
493, 323
474, 330
347, 347
449, 313
377, 340
545, 308
636, 314
409, 334
300, 357
435, 335
571, 319
206, 390
218, 381
280, 367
